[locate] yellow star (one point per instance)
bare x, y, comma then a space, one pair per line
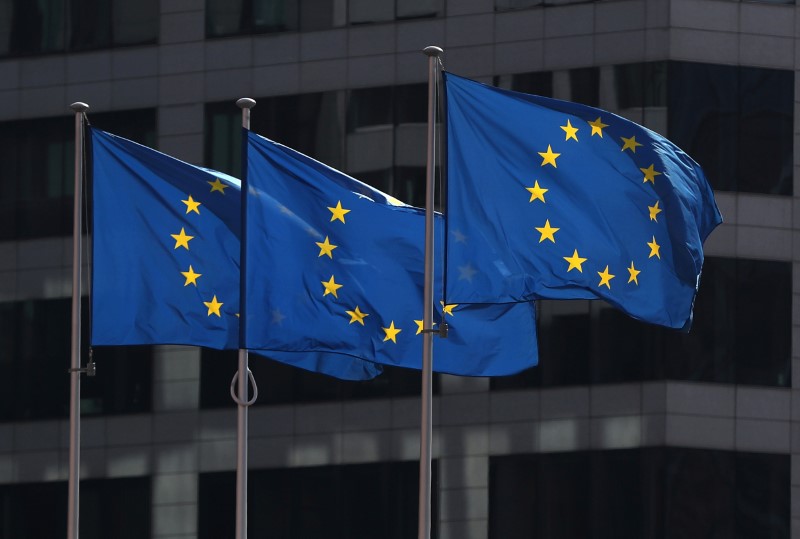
547, 232
549, 157
605, 278
213, 306
570, 131
630, 144
326, 247
191, 276
182, 239
331, 287
654, 247
537, 192
597, 127
654, 210
575, 262
357, 316
217, 185
634, 272
650, 174
192, 205
338, 212
391, 333
448, 309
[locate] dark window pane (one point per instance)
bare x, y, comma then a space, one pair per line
321, 15
135, 23
584, 85
48, 26
538, 83
699, 493
766, 129
763, 496
762, 330
275, 15
121, 505
32, 27
335, 502
639, 493
37, 177
736, 122
34, 383
227, 17
90, 26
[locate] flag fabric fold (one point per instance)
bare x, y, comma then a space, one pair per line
336, 266
166, 248
557, 200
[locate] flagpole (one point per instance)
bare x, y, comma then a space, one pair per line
244, 371
73, 498
426, 429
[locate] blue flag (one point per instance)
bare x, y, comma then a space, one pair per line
166, 244
551, 199
334, 265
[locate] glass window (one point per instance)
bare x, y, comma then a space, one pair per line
280, 383
737, 122
377, 135
122, 505
48, 26
335, 502
37, 178
386, 139
308, 123
741, 333
227, 18
538, 83
34, 383
642, 493
584, 86
134, 23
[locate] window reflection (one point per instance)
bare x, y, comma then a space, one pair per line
236, 17
335, 502
35, 337
48, 26
642, 493
37, 177
122, 505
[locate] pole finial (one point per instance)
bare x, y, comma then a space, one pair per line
246, 103
432, 50
79, 106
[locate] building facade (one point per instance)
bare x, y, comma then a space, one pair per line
623, 430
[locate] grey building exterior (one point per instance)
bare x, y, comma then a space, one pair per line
623, 431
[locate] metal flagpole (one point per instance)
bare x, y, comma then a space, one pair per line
424, 528
242, 377
75, 370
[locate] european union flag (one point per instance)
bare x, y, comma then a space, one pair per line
334, 265
166, 244
551, 199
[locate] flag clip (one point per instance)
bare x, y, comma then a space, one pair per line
441, 332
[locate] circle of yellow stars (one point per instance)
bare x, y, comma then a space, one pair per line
549, 158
